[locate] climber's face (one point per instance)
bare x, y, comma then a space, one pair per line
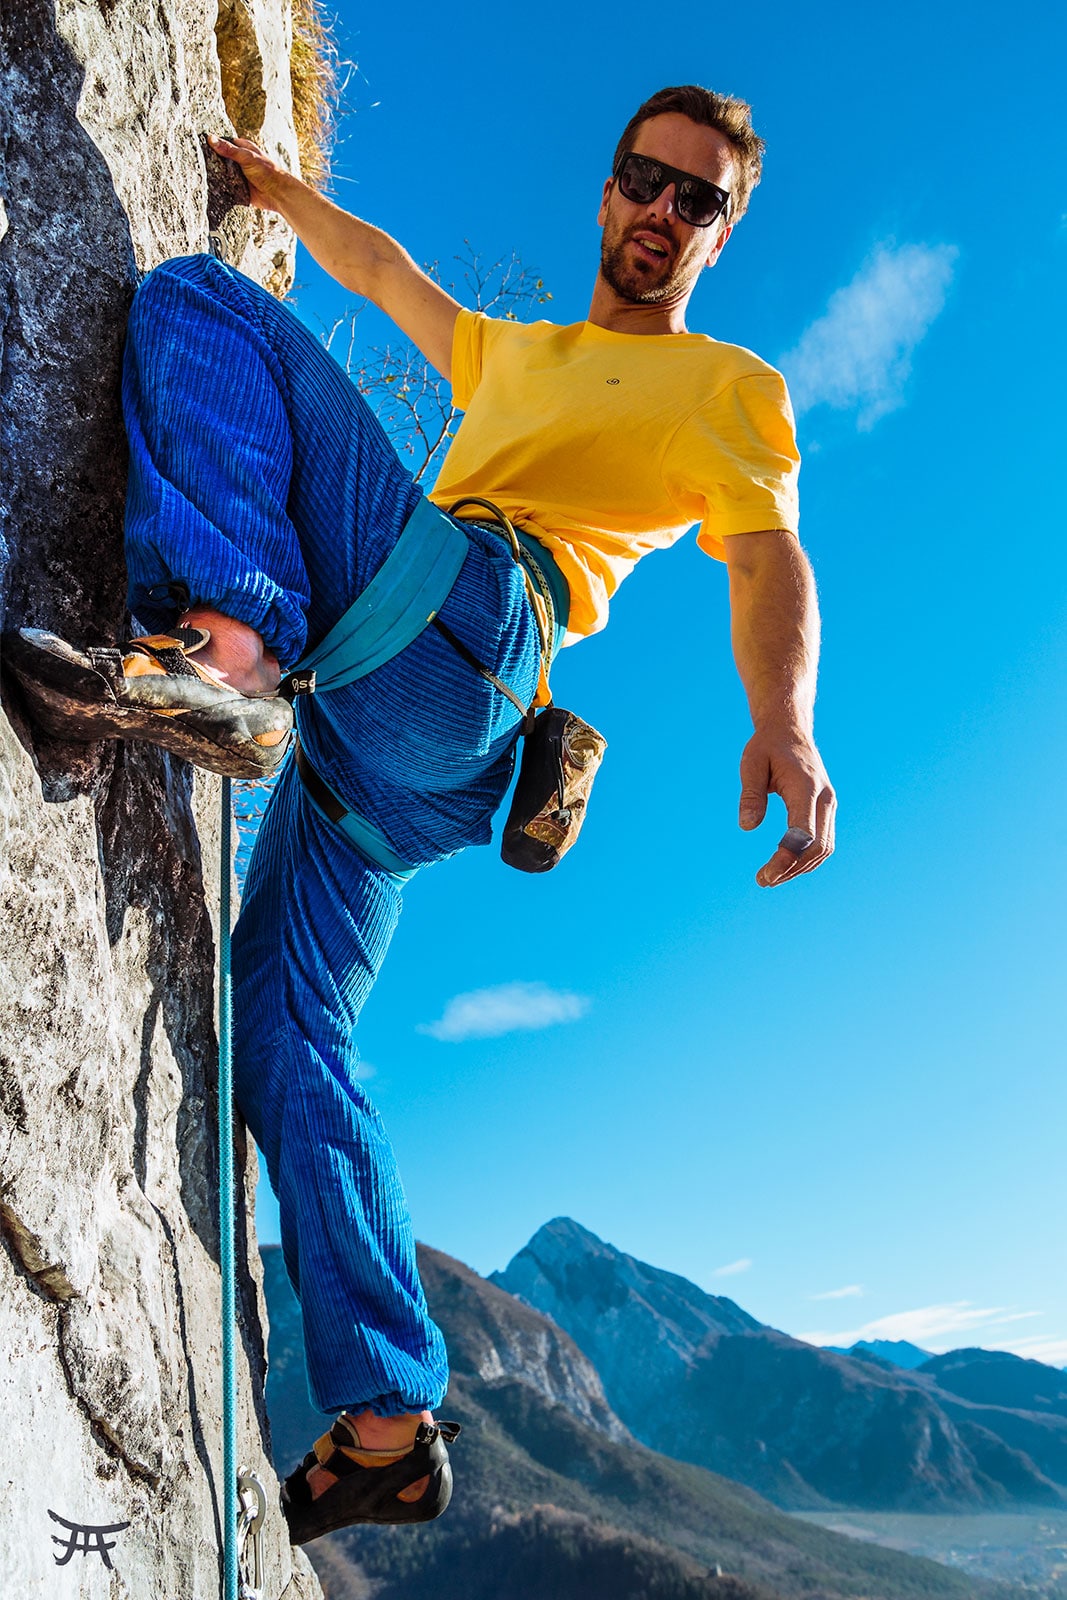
650, 254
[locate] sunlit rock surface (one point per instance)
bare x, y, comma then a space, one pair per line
110, 1380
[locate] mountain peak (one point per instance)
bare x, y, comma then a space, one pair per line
564, 1230
590, 1287
894, 1352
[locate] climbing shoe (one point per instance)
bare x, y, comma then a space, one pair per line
369, 1482
149, 689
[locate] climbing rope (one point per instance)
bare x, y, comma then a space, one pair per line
244, 1504
226, 1219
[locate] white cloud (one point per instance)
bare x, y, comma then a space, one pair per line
507, 1008
1053, 1352
733, 1268
851, 1291
945, 1326
857, 356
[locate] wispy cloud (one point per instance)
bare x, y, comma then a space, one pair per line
1053, 1352
943, 1325
851, 1291
507, 1008
857, 356
732, 1268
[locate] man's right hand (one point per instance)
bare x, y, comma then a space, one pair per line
358, 255
784, 761
266, 179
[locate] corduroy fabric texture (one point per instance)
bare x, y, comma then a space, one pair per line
261, 479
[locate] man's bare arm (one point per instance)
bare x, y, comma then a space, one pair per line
775, 630
358, 255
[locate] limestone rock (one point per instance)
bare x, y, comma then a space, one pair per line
110, 1381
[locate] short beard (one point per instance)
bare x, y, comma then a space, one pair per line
621, 276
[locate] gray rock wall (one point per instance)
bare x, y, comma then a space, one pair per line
110, 1383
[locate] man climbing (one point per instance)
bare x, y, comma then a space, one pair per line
266, 507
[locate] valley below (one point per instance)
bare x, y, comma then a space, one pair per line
1024, 1548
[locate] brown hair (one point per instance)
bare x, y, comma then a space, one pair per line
731, 116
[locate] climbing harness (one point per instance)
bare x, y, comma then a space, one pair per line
561, 754
549, 602
415, 579
402, 599
368, 839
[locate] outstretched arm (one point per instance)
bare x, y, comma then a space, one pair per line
775, 629
359, 256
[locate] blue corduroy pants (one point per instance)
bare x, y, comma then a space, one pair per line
261, 480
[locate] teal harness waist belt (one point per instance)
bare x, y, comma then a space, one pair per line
402, 598
410, 587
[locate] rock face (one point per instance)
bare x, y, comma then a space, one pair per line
109, 1284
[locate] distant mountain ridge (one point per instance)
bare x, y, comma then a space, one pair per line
998, 1378
897, 1352
696, 1377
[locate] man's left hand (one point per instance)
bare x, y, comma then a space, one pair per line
785, 762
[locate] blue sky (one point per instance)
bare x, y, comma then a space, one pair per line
840, 1102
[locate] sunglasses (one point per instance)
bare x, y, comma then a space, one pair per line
642, 180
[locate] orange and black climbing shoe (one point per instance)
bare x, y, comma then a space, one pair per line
369, 1482
149, 689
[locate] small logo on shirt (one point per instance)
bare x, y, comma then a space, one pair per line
613, 380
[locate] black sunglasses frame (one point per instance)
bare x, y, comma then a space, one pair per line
673, 175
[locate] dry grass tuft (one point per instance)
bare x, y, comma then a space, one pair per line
313, 65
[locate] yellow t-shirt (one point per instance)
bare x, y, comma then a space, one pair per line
609, 445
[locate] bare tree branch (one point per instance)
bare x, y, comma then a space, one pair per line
413, 402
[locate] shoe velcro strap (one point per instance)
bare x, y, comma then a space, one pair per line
170, 650
172, 661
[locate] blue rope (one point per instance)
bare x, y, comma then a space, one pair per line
226, 1220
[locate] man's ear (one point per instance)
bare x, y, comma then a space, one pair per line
716, 249
602, 214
